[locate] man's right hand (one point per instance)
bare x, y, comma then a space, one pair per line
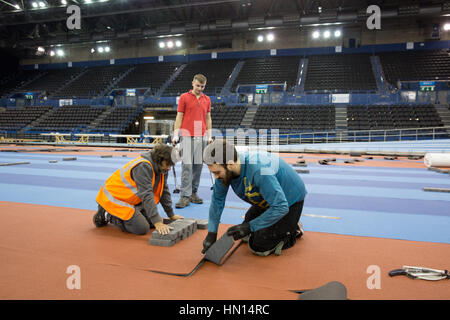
209, 240
175, 140
162, 228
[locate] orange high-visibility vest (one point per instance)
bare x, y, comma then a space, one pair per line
118, 195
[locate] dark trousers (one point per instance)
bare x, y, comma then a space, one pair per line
283, 230
138, 224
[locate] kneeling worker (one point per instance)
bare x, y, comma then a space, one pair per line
129, 198
272, 187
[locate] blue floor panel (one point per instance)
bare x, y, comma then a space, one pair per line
353, 200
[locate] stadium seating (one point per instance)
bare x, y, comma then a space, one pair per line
9, 84
392, 117
227, 117
295, 118
52, 80
13, 119
69, 118
148, 75
117, 120
415, 65
216, 72
92, 83
339, 73
269, 70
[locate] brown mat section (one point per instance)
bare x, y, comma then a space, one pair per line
38, 243
82, 151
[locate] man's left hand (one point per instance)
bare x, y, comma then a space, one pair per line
239, 231
176, 217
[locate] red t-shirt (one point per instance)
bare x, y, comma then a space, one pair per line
195, 110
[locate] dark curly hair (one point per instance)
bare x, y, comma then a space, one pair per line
162, 152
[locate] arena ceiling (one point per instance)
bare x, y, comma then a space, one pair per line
24, 26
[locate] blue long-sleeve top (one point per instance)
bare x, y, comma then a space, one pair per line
267, 181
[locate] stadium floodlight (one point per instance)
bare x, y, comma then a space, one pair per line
34, 4
107, 49
162, 45
337, 33
316, 34
40, 49
178, 43
92, 50
447, 26
100, 49
63, 2
260, 38
59, 53
270, 37
52, 53
169, 44
87, 1
326, 34
42, 4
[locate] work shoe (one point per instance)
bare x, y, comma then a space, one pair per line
99, 218
184, 202
299, 230
196, 199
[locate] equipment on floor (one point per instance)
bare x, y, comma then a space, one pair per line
437, 159
421, 273
176, 190
13, 163
218, 253
331, 291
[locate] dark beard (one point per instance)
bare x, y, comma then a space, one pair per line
229, 175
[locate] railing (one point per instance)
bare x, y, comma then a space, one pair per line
252, 136
263, 136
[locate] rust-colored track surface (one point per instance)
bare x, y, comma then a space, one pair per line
38, 243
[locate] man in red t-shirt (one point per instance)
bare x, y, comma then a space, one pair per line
193, 124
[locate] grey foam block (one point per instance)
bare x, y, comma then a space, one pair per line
300, 161
161, 242
301, 171
300, 165
13, 163
53, 161
172, 235
106, 156
70, 159
349, 161
390, 158
202, 224
355, 154
323, 162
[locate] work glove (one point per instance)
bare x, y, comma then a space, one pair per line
175, 140
239, 231
209, 240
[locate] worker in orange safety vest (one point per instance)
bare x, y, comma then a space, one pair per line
129, 197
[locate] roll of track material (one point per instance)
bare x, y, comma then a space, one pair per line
437, 160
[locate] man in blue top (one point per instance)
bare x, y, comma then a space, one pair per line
272, 187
